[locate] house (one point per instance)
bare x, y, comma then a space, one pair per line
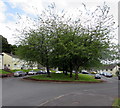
1, 61
112, 68
10, 61
7, 61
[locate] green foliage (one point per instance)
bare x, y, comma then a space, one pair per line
116, 103
69, 43
6, 47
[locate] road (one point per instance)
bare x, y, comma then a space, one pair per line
19, 92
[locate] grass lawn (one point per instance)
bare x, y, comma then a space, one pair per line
62, 77
3, 72
116, 103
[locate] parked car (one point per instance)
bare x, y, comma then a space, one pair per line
19, 73
104, 73
58, 72
85, 72
32, 72
101, 73
93, 72
39, 72
108, 74
44, 72
97, 76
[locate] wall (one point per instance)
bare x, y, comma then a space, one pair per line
7, 60
1, 61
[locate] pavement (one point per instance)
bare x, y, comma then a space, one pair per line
19, 92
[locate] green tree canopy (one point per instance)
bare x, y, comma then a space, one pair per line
6, 47
71, 43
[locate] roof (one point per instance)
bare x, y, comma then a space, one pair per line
111, 66
14, 56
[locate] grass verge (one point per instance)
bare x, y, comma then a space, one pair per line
116, 103
3, 72
62, 77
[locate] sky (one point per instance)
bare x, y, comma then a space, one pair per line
11, 10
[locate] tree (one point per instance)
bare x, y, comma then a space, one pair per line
71, 43
38, 42
5, 46
85, 45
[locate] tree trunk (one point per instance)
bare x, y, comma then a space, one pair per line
76, 75
63, 72
70, 73
76, 72
66, 73
71, 70
48, 72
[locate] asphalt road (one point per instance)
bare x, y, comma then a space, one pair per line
18, 92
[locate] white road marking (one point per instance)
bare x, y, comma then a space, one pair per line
52, 100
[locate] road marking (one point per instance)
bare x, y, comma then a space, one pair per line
52, 100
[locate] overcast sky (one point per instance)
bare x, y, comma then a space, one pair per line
9, 10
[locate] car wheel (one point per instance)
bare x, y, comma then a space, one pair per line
20, 75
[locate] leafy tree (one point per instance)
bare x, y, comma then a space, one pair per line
67, 42
36, 44
5, 46
84, 45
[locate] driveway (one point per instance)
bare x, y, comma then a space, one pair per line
19, 92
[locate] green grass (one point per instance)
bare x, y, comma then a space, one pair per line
116, 103
3, 72
62, 77
53, 71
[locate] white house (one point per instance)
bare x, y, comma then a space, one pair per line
11, 61
1, 61
113, 68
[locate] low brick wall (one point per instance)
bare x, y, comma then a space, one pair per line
6, 75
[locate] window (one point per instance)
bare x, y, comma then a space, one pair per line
106, 69
110, 69
8, 65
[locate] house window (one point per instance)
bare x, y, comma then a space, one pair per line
106, 69
8, 65
110, 69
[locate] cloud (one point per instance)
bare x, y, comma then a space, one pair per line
33, 7
28, 6
2, 11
